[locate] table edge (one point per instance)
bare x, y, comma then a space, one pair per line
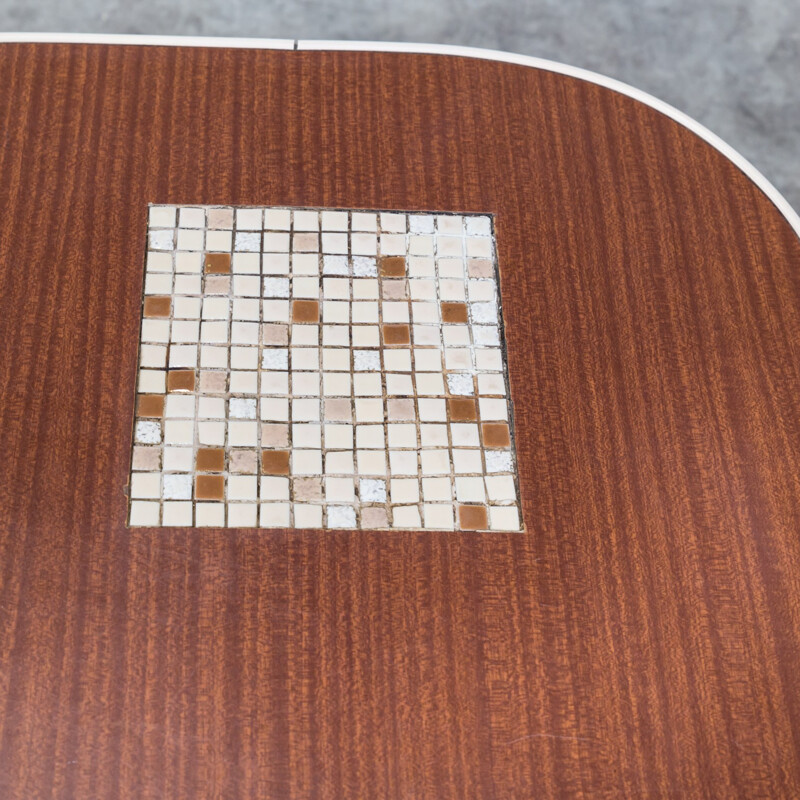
419, 48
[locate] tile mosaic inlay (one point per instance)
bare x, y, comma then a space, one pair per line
322, 369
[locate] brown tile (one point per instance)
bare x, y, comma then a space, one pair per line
157, 306
496, 434
393, 267
462, 409
339, 409
454, 312
400, 408
480, 268
274, 435
213, 382
219, 263
274, 333
180, 380
210, 459
220, 218
147, 458
150, 405
305, 311
396, 334
209, 487
374, 517
217, 284
244, 461
275, 462
306, 489
393, 290
305, 243
473, 518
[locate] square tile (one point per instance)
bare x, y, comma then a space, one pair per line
322, 368
217, 263
209, 487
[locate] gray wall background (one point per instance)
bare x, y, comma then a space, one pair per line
734, 65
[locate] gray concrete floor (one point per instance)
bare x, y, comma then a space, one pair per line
734, 65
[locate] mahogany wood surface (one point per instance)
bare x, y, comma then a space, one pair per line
640, 639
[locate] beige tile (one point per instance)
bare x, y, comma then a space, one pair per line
146, 458
213, 382
243, 461
374, 517
307, 489
274, 435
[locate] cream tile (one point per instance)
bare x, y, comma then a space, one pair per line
145, 485
242, 487
503, 518
403, 462
371, 462
336, 384
178, 459
369, 409
274, 382
306, 220
339, 462
179, 514
274, 515
158, 283
188, 284
209, 515
466, 461
370, 437
437, 490
406, 517
338, 436
306, 462
307, 515
249, 219
277, 219
367, 385
433, 435
242, 515
274, 488
470, 490
434, 462
144, 513
398, 384
500, 488
333, 220
162, 216
363, 221
438, 516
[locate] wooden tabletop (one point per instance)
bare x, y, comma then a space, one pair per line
641, 636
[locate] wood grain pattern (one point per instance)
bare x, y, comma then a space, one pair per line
642, 640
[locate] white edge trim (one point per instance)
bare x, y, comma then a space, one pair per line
158, 41
436, 49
